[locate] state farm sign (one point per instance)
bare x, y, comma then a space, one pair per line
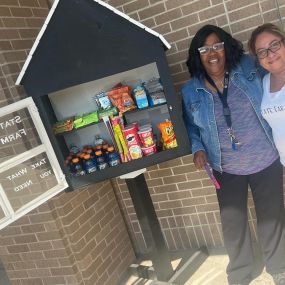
29, 171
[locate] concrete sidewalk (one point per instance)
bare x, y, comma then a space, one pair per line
211, 272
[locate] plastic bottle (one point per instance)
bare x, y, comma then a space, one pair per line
91, 152
105, 150
113, 157
76, 167
101, 162
74, 150
67, 161
89, 163
98, 147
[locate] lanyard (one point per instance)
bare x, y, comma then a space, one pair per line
226, 109
223, 97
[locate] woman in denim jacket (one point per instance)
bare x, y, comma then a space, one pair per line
221, 109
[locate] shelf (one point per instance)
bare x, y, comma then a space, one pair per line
146, 108
123, 168
101, 121
75, 130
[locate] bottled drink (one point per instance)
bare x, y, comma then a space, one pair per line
113, 157
76, 167
105, 150
91, 152
74, 150
67, 161
100, 159
98, 147
89, 163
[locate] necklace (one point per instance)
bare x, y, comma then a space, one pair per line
220, 83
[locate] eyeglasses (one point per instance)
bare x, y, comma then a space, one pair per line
215, 47
263, 52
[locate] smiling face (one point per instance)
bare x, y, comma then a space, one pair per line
214, 61
274, 62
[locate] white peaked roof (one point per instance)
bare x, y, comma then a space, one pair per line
116, 11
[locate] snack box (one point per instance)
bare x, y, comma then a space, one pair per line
86, 119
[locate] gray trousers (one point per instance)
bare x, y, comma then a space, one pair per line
267, 191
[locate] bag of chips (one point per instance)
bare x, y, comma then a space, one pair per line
167, 135
121, 98
102, 101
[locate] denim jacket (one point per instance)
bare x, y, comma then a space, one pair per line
198, 109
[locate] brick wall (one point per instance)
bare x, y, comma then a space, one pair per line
184, 198
76, 238
80, 237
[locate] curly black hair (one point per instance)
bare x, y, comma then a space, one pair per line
233, 50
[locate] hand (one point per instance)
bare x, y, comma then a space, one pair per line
200, 159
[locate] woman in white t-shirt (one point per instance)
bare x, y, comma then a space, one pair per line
267, 42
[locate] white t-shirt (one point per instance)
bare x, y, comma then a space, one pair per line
273, 111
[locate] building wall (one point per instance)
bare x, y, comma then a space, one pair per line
80, 237
75, 238
184, 198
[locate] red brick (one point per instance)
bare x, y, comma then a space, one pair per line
8, 34
29, 3
22, 44
5, 11
28, 33
62, 271
174, 4
34, 22
14, 56
44, 3
170, 205
14, 22
244, 12
177, 57
9, 3
164, 18
165, 188
18, 248
40, 272
233, 5
151, 11
136, 5
5, 45
212, 12
21, 12
40, 246
246, 23
28, 238
31, 281
117, 3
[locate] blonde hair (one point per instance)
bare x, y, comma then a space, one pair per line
268, 28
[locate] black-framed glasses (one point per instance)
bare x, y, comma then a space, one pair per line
274, 46
215, 47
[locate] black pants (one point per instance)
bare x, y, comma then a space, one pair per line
267, 191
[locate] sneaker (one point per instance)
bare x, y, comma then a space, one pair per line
279, 278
